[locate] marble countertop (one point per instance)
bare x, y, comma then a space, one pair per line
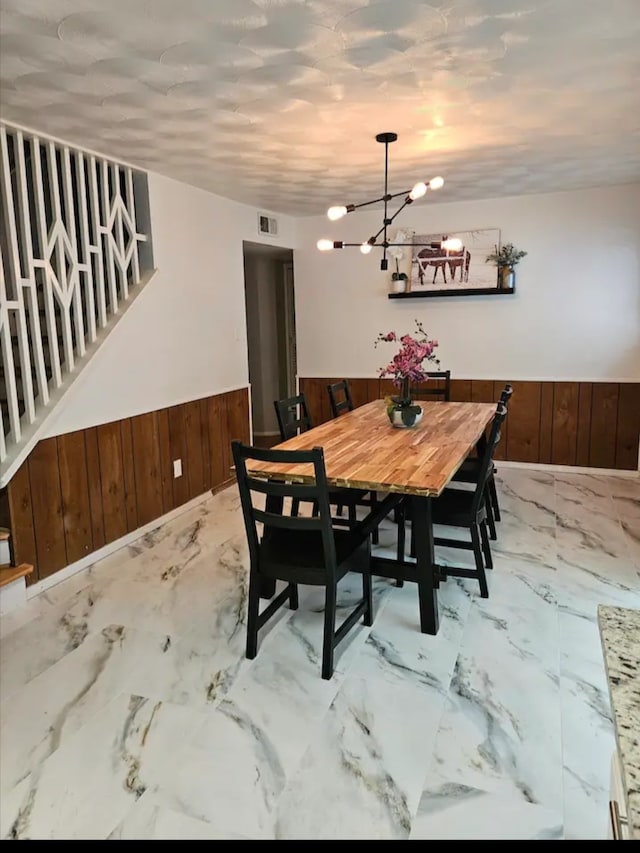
620, 632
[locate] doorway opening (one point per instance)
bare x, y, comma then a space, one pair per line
271, 334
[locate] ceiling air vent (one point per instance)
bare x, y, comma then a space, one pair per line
267, 224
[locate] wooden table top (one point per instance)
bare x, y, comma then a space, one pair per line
363, 451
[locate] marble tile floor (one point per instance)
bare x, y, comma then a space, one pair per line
128, 710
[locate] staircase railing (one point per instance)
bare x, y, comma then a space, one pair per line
75, 244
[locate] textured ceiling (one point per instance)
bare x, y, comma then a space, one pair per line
277, 102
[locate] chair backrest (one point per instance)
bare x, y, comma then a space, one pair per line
505, 394
293, 416
275, 491
340, 398
488, 452
438, 386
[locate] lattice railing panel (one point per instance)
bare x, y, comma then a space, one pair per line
72, 250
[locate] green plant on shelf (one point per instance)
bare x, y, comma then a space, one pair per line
506, 256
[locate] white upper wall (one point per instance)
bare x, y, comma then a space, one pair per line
575, 314
185, 336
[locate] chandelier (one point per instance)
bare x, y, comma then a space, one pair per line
417, 191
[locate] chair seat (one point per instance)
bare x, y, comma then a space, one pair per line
347, 497
468, 471
453, 507
297, 556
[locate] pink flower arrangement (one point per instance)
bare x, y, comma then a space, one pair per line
408, 364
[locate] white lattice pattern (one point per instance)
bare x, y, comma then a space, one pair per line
72, 250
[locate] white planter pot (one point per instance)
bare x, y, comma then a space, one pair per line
396, 420
399, 285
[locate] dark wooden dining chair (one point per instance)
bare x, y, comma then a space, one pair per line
294, 418
298, 549
467, 509
340, 401
437, 387
340, 398
469, 471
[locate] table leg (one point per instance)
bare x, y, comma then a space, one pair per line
422, 529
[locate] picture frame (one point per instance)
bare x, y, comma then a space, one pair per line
453, 264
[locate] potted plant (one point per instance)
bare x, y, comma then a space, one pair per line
407, 366
506, 258
398, 278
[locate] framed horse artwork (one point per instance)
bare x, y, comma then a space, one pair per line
453, 264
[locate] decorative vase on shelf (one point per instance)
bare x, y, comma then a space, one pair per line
507, 278
399, 282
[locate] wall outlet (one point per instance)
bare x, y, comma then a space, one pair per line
177, 468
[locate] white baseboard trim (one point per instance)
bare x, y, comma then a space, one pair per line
12, 596
566, 469
94, 556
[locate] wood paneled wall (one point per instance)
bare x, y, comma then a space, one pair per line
589, 424
80, 491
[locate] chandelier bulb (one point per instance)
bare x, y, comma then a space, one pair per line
452, 244
325, 245
336, 212
436, 183
365, 248
418, 191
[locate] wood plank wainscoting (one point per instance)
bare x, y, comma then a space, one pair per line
77, 492
588, 424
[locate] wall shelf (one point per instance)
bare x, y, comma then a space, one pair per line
426, 294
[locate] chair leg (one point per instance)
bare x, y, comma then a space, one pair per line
477, 553
367, 594
494, 499
329, 631
490, 519
402, 536
353, 518
253, 610
375, 536
295, 507
339, 509
486, 547
293, 596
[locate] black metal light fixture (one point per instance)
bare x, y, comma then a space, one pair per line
416, 192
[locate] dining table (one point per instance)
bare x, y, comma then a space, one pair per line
362, 450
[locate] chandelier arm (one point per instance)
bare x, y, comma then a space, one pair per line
402, 207
365, 203
395, 195
375, 236
388, 197
433, 244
